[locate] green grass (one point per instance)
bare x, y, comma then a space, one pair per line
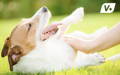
91, 23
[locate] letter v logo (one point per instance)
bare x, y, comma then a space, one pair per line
107, 8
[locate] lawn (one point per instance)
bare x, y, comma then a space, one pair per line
91, 23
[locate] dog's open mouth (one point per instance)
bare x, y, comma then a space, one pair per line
50, 30
42, 16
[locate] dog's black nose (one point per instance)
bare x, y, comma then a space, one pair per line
45, 9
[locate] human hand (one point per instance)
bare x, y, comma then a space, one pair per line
79, 44
72, 41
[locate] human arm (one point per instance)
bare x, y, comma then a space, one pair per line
106, 40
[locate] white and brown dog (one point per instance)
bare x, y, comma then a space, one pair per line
28, 53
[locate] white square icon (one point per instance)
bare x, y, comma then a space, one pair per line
107, 7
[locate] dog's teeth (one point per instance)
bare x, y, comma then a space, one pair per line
53, 32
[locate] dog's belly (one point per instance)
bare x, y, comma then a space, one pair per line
52, 55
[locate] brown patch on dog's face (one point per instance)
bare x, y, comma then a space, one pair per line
20, 42
24, 35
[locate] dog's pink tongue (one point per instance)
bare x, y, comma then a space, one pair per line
51, 28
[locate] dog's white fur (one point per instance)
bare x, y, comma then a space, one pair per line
54, 54
114, 57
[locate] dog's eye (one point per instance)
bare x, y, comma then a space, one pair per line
29, 26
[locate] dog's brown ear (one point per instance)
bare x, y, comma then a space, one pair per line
5, 47
10, 63
14, 56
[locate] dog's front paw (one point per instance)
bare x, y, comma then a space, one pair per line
96, 59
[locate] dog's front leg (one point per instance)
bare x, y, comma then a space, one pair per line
76, 16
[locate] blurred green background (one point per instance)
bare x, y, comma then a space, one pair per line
25, 8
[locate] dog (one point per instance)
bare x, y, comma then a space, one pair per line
27, 53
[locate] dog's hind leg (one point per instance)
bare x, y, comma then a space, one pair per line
114, 58
83, 59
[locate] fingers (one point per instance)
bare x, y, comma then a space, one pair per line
79, 44
74, 42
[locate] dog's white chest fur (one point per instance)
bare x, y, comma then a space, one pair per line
51, 55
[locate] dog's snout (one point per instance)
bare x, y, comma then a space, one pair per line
45, 9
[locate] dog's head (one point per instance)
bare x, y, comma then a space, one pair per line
23, 38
